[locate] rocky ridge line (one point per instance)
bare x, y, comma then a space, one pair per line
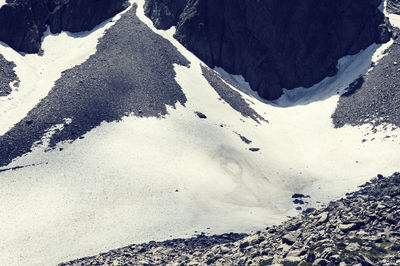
361, 229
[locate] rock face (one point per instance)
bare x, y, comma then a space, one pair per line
23, 22
274, 44
362, 228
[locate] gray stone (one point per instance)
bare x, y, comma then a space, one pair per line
353, 247
289, 239
348, 227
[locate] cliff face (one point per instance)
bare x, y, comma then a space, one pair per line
23, 22
274, 44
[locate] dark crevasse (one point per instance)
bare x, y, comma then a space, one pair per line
274, 44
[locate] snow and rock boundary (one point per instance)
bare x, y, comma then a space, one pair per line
359, 228
25, 35
273, 44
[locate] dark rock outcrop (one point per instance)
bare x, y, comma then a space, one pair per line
7, 75
23, 22
232, 97
274, 44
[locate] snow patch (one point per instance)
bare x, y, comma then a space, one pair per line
394, 20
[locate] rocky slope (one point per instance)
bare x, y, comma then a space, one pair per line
7, 76
273, 44
99, 90
373, 98
361, 228
60, 15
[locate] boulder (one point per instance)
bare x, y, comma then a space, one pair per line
289, 239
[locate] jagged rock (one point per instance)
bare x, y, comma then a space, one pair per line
293, 226
266, 260
327, 253
348, 227
298, 196
335, 259
298, 201
201, 115
353, 247
308, 210
244, 244
323, 217
289, 239
393, 6
365, 261
321, 262
310, 257
60, 15
291, 261
274, 44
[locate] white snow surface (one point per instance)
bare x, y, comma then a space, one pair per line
394, 20
118, 185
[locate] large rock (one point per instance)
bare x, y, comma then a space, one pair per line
23, 22
274, 44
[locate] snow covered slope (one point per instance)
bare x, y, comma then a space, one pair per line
145, 178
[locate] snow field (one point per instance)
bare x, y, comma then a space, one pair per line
145, 179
